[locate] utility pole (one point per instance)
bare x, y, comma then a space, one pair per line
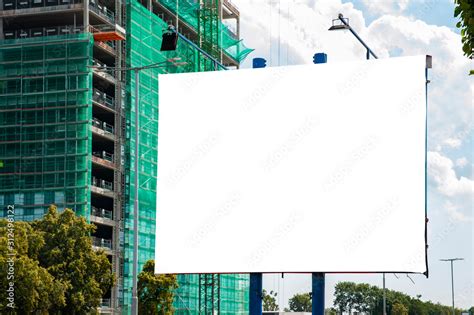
451, 260
384, 297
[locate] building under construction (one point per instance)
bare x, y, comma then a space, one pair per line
67, 123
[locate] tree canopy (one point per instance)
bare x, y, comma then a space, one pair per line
155, 292
300, 303
269, 301
56, 268
350, 297
464, 10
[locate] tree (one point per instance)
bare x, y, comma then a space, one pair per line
155, 292
68, 256
300, 303
465, 11
269, 301
399, 309
366, 299
344, 298
34, 289
56, 269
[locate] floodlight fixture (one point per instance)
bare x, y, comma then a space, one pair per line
344, 25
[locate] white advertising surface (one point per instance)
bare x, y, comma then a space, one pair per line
313, 168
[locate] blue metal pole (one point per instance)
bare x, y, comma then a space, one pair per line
255, 294
318, 278
255, 290
318, 282
369, 51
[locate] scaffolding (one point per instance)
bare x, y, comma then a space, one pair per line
45, 113
201, 16
67, 131
227, 294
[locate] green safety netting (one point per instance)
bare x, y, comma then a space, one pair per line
144, 37
45, 114
189, 11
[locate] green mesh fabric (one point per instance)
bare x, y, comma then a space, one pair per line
189, 11
45, 114
144, 36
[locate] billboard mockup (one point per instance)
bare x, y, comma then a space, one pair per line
312, 168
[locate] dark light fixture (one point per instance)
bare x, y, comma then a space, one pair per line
341, 23
344, 25
169, 42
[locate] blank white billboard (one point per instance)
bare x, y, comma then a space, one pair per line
313, 168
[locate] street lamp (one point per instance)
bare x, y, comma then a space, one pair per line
136, 71
451, 260
344, 25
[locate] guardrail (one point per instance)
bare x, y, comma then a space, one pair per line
101, 242
105, 303
42, 31
103, 125
102, 98
104, 155
102, 10
102, 183
102, 213
28, 4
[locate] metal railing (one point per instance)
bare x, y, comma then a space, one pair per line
102, 98
102, 10
105, 303
104, 155
103, 125
102, 213
43, 31
28, 4
101, 242
102, 183
106, 73
107, 45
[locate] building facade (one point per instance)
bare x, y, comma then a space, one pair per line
67, 131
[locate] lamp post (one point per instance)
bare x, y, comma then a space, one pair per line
345, 26
451, 260
136, 71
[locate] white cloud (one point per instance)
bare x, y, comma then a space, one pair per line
442, 174
450, 105
302, 30
461, 162
454, 213
386, 6
453, 142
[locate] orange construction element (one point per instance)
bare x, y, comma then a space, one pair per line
106, 36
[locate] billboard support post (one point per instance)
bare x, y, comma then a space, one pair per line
318, 278
255, 294
318, 284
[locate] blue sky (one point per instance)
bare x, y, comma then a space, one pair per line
291, 31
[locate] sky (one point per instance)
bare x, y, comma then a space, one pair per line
290, 32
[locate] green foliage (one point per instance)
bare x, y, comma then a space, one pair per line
155, 292
399, 309
269, 301
300, 303
56, 269
350, 297
464, 10
35, 290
